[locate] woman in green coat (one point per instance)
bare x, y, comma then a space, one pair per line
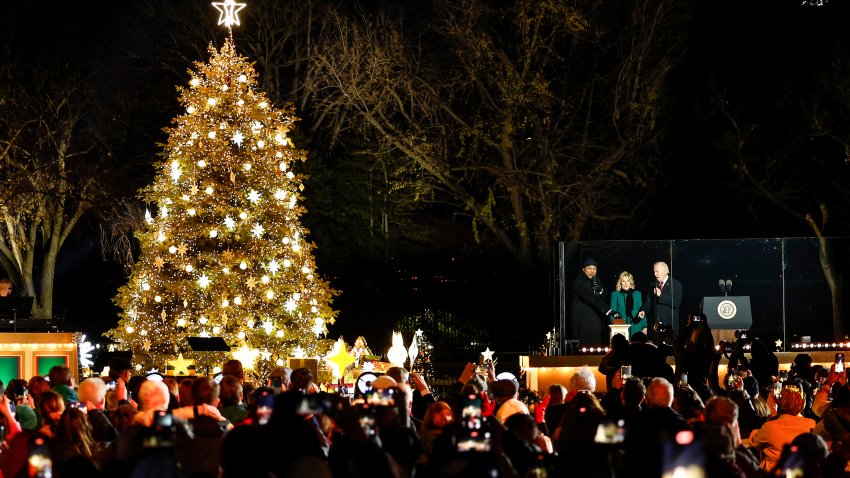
626, 301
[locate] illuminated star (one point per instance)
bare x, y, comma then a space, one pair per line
238, 137
251, 282
340, 358
247, 356
181, 249
147, 345
488, 355
253, 196
227, 255
159, 263
299, 353
229, 223
228, 10
280, 194
204, 281
194, 189
778, 343
274, 266
290, 305
258, 230
181, 366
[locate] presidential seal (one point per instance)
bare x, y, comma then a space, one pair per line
727, 309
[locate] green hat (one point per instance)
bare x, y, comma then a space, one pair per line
26, 417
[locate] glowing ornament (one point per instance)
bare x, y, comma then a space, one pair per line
258, 230
241, 335
397, 354
229, 223
253, 196
270, 295
279, 362
202, 163
261, 144
148, 217
413, 350
146, 286
238, 137
488, 355
280, 194
161, 237
129, 329
181, 322
228, 12
208, 190
247, 356
216, 330
203, 320
247, 166
237, 300
85, 348
212, 102
243, 265
195, 82
299, 353
318, 326
213, 233
190, 109
274, 266
287, 263
172, 249
268, 326
243, 78
263, 104
290, 305
225, 303
279, 334
265, 279
280, 139
189, 268
191, 211
175, 171
157, 299
204, 281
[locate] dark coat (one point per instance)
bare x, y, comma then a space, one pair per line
663, 308
589, 319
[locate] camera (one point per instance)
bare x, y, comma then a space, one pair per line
741, 334
660, 328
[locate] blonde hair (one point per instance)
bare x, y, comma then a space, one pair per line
627, 275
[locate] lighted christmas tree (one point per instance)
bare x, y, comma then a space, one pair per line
224, 253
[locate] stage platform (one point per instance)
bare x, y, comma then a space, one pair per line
543, 371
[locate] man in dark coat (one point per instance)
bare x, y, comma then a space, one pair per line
590, 312
663, 300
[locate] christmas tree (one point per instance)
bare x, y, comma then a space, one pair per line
223, 253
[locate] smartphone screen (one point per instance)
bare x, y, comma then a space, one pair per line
265, 406
39, 460
683, 456
610, 432
625, 372
839, 363
783, 375
473, 435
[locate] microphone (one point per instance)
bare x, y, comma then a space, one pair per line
596, 286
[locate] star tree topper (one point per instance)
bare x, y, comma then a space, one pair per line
229, 11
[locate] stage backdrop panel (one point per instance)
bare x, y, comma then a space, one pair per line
36, 353
10, 367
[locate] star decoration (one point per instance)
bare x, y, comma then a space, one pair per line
340, 358
280, 194
238, 137
147, 345
258, 230
253, 196
180, 366
419, 332
299, 353
204, 281
251, 283
778, 343
163, 315
290, 305
181, 249
247, 356
488, 355
274, 266
194, 189
227, 255
159, 263
229, 11
229, 223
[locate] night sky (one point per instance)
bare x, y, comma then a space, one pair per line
779, 65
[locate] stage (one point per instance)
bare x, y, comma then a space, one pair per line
542, 371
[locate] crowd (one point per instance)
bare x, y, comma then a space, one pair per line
652, 422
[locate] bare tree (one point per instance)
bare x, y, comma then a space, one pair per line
521, 118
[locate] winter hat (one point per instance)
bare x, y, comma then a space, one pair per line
588, 262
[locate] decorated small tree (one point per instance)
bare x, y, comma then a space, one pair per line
224, 253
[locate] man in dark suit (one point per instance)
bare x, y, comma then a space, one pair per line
663, 301
590, 311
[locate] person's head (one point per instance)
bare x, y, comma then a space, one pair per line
437, 416
557, 393
36, 386
234, 368
588, 266
399, 374
74, 430
639, 338
802, 361
791, 401
659, 393
230, 391
184, 391
300, 379
687, 402
721, 410
660, 271
205, 391
120, 367
582, 379
51, 407
92, 390
153, 395
633, 392
523, 426
59, 374
619, 343
504, 389
6, 287
16, 390
625, 281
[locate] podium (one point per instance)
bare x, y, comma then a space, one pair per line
726, 314
622, 329
208, 344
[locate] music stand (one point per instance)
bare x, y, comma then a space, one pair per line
208, 344
13, 307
